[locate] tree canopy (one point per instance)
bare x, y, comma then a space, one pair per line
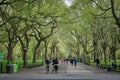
60, 28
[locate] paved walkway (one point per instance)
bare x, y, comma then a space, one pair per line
66, 72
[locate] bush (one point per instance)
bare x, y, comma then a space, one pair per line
34, 65
20, 64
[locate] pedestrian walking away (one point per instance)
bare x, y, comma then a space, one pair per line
47, 63
75, 61
71, 61
55, 63
97, 63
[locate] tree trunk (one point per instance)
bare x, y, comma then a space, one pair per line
10, 52
9, 56
35, 51
24, 58
105, 57
45, 44
113, 53
95, 50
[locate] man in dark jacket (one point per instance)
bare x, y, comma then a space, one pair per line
55, 63
97, 62
47, 62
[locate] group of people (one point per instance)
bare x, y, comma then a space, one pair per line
55, 63
74, 61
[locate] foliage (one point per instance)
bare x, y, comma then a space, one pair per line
86, 28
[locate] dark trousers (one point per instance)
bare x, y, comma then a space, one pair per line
56, 68
75, 64
71, 63
47, 68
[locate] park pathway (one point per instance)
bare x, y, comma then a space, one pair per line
66, 72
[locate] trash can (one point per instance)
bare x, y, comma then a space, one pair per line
15, 68
0, 67
9, 68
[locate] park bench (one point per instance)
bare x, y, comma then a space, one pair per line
116, 68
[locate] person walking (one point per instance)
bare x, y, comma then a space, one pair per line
75, 61
47, 63
71, 61
97, 63
55, 63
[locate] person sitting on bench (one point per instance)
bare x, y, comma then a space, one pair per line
112, 67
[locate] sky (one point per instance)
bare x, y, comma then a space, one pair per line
68, 2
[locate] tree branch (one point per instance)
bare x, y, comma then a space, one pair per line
114, 15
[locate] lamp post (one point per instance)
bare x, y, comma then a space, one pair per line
24, 57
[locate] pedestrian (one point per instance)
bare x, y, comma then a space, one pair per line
97, 63
47, 63
62, 60
75, 61
55, 63
71, 61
